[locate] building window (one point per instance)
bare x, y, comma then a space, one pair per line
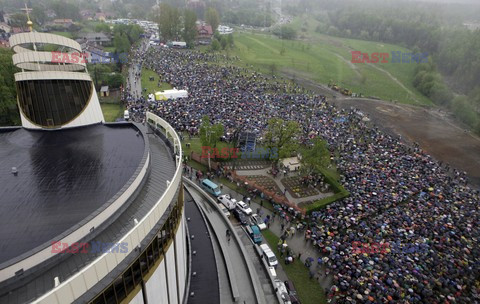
53, 102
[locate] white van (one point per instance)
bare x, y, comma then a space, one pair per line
227, 201
126, 115
268, 255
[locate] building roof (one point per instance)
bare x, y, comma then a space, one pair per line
162, 165
5, 27
204, 29
100, 16
62, 21
63, 177
17, 30
98, 37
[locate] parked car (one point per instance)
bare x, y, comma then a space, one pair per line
254, 233
238, 214
281, 290
211, 187
268, 255
244, 207
227, 201
225, 211
292, 292
257, 220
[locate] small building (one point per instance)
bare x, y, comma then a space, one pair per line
104, 92
224, 30
16, 30
204, 34
66, 23
5, 27
101, 17
96, 38
87, 14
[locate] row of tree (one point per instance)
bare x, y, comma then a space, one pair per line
222, 42
281, 136
180, 24
453, 49
8, 107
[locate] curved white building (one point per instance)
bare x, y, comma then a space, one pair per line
54, 89
93, 212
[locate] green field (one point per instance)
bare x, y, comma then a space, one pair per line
323, 58
309, 290
112, 111
152, 86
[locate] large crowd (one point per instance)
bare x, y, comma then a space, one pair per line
398, 193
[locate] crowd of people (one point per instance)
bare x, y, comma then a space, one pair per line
398, 193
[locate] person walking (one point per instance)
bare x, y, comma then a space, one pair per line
228, 234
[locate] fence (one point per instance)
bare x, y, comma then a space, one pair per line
204, 161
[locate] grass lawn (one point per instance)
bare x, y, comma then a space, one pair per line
112, 111
324, 58
196, 145
152, 86
309, 291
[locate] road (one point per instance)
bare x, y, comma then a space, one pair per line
205, 284
238, 263
243, 278
134, 83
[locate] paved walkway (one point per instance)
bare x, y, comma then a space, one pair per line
278, 181
134, 82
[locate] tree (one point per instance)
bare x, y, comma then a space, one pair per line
281, 136
212, 18
315, 157
210, 134
102, 27
273, 68
38, 15
115, 80
121, 43
215, 46
231, 43
18, 20
223, 42
8, 102
66, 10
169, 22
285, 32
189, 27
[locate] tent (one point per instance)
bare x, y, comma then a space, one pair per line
171, 94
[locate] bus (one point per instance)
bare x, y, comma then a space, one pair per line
211, 187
